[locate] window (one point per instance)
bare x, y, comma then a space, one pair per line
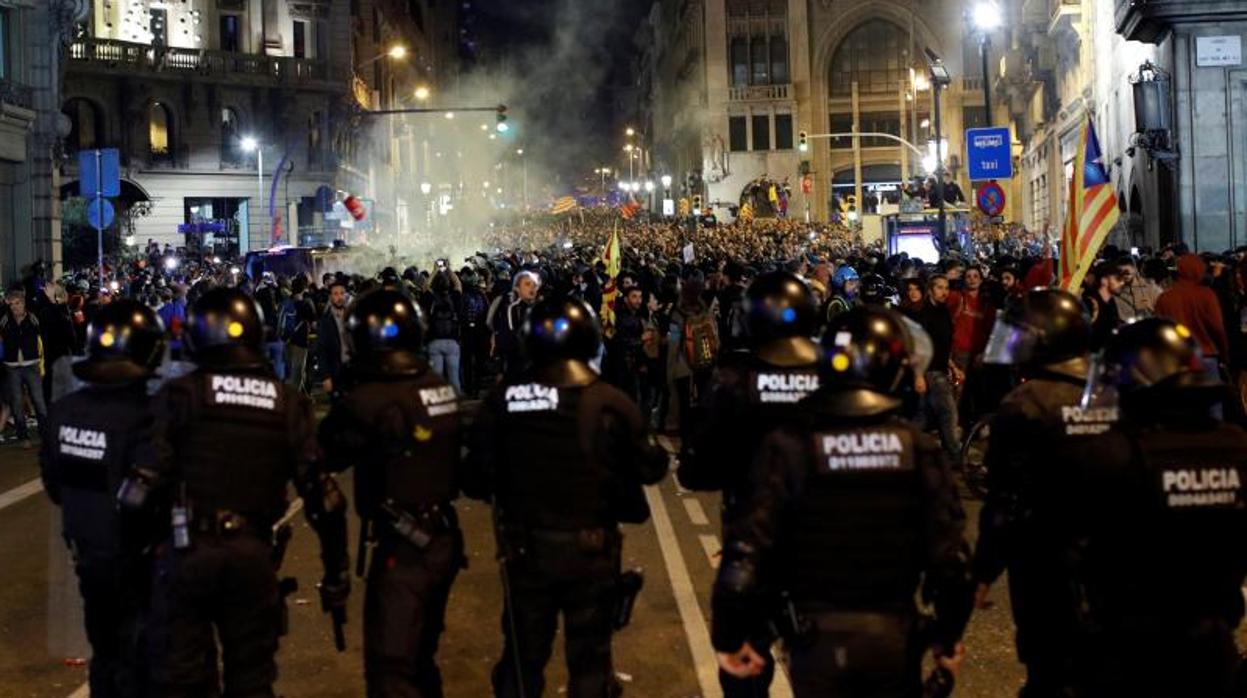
880, 122
875, 55
779, 60
737, 136
159, 125
974, 117
758, 56
231, 145
85, 126
314, 155
783, 131
300, 39
230, 33
159, 26
5, 18
841, 123
762, 132
740, 61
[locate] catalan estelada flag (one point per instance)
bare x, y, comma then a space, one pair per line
1091, 212
611, 260
564, 204
629, 210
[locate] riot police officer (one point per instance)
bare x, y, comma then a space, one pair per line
1045, 335
852, 509
230, 437
755, 393
398, 424
1161, 514
563, 456
95, 437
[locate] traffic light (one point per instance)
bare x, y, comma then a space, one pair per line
697, 204
502, 119
803, 141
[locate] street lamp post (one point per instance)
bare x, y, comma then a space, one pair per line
940, 79
249, 144
986, 19
524, 168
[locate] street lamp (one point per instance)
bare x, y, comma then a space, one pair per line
519, 152
630, 132
425, 188
422, 93
940, 79
649, 187
987, 17
666, 181
249, 144
397, 52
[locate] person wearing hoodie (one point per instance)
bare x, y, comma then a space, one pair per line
1194, 305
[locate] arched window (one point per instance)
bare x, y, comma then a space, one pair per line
86, 126
759, 58
231, 145
159, 130
779, 60
740, 61
875, 55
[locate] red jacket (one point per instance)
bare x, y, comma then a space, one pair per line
973, 317
1191, 303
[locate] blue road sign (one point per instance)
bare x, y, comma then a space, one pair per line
106, 163
100, 213
989, 153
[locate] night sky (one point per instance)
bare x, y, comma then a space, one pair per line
565, 55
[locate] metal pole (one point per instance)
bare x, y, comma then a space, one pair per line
939, 161
99, 214
259, 179
986, 48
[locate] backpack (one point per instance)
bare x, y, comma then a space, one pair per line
701, 340
475, 308
444, 322
288, 321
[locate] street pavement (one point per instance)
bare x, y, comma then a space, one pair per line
665, 653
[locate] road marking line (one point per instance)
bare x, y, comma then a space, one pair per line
20, 492
84, 691
696, 513
710, 543
685, 598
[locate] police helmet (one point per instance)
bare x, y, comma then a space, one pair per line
1045, 326
866, 349
842, 276
1155, 355
387, 330
125, 342
225, 329
780, 305
874, 289
560, 331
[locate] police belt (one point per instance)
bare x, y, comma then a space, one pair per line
431, 519
584, 538
224, 524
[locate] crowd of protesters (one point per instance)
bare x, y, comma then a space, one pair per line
677, 309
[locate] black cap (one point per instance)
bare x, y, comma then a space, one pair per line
125, 343
780, 306
561, 331
1045, 326
1155, 355
865, 351
387, 331
225, 329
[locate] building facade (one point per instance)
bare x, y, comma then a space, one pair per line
737, 81
32, 36
196, 94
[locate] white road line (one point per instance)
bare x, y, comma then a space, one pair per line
84, 691
696, 513
20, 492
685, 598
710, 543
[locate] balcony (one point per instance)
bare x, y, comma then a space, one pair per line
124, 56
1064, 18
972, 83
758, 93
1151, 21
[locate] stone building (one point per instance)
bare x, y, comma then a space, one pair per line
189, 92
738, 80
